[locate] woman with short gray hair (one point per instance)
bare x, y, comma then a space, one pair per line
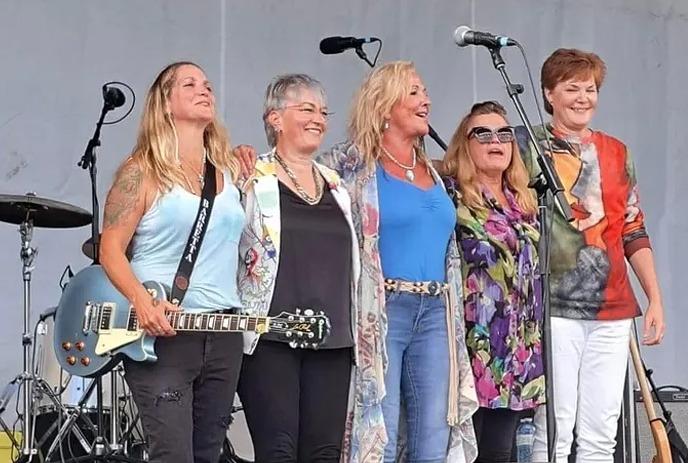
299, 250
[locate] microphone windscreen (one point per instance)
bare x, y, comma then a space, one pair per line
113, 96
459, 35
331, 45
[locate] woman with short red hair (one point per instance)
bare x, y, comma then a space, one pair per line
592, 302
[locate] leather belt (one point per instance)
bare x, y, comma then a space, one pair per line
432, 288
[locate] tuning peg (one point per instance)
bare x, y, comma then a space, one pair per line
311, 335
288, 334
308, 312
298, 311
293, 344
299, 333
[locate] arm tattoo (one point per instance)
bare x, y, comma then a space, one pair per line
123, 195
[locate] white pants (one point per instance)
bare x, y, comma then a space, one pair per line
589, 367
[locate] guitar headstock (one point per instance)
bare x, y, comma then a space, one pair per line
305, 329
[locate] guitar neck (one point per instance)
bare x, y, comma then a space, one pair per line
204, 321
642, 380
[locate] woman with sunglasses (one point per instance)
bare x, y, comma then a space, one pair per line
498, 235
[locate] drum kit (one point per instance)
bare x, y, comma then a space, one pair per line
63, 417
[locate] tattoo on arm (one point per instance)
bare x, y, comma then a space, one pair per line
123, 195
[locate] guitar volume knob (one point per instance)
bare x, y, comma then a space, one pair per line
80, 345
67, 345
85, 361
71, 360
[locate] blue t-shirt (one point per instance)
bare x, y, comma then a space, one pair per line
415, 228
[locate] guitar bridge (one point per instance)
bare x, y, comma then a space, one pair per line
88, 315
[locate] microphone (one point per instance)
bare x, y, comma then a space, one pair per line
464, 36
113, 97
334, 45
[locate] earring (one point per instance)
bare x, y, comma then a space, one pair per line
385, 125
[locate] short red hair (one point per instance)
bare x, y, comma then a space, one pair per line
570, 63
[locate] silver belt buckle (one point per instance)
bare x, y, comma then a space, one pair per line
434, 288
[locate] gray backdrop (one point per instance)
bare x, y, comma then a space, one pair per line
55, 55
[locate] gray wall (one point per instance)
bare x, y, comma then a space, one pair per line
56, 54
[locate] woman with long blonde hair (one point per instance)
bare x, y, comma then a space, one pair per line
498, 237
412, 361
185, 397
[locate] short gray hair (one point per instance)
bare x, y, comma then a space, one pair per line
277, 94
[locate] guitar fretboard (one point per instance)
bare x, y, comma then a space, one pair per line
184, 321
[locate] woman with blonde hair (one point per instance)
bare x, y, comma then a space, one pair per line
498, 237
412, 361
185, 397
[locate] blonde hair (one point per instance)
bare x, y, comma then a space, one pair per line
459, 165
380, 91
156, 150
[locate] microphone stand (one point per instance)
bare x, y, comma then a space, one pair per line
99, 450
547, 186
362, 54
88, 161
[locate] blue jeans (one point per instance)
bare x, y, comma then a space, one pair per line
418, 371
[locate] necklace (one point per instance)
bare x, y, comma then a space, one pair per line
200, 175
319, 182
410, 176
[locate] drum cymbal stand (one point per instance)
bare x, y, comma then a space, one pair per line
27, 381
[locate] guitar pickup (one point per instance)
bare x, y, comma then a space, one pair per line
105, 319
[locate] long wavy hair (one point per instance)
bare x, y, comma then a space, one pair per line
156, 150
380, 91
459, 165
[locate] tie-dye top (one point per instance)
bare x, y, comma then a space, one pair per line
503, 303
589, 279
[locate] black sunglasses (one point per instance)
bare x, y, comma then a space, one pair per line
485, 135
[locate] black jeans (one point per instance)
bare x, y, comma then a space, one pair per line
495, 431
295, 402
185, 398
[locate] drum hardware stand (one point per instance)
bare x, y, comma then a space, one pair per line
27, 379
101, 449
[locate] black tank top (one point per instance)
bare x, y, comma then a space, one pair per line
315, 263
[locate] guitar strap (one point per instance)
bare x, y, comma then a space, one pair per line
193, 244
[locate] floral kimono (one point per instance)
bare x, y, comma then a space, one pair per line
366, 437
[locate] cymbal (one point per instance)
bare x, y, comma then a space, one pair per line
43, 212
87, 249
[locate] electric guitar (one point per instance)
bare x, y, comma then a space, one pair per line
657, 426
95, 325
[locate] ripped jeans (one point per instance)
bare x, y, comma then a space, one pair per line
185, 398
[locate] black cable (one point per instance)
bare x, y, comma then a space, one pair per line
379, 48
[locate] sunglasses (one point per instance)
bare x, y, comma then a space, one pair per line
485, 135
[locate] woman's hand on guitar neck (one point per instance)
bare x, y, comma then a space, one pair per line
152, 315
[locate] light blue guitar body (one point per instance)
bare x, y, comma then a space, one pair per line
95, 326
